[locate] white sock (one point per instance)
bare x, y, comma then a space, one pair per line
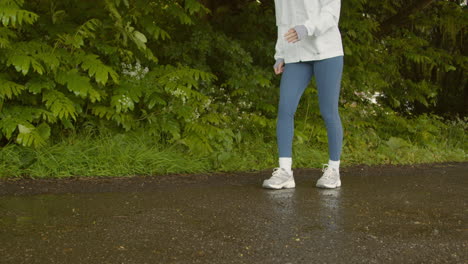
286, 164
334, 164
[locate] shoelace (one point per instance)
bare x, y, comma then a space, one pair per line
276, 173
327, 170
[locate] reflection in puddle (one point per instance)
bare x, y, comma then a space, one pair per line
279, 195
330, 197
330, 208
302, 214
282, 204
321, 206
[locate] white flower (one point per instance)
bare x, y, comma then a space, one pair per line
135, 71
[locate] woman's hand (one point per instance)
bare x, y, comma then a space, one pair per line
279, 66
291, 36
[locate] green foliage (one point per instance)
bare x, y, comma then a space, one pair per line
11, 14
99, 70
201, 80
68, 68
103, 155
108, 154
10, 89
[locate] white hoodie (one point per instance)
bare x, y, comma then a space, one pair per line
320, 17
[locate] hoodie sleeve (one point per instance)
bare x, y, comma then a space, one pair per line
328, 17
279, 50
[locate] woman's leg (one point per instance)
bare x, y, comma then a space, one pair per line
295, 78
328, 74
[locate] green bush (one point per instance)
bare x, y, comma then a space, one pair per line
198, 83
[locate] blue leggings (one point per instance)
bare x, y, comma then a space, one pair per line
295, 78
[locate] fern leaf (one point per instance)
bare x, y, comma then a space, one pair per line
154, 99
102, 111
35, 85
29, 135
20, 118
171, 126
8, 125
25, 136
37, 66
23, 62
212, 118
196, 144
60, 105
32, 54
78, 84
11, 15
88, 28
13, 116
96, 68
5, 36
20, 62
48, 116
74, 41
8, 89
155, 31
49, 59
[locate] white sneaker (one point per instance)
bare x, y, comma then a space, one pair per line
279, 179
330, 178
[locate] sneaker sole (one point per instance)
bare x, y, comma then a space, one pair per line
338, 184
286, 185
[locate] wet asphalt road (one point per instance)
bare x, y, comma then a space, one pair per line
404, 214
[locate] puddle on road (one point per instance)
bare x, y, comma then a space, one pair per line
199, 221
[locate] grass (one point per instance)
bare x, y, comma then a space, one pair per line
110, 155
134, 153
